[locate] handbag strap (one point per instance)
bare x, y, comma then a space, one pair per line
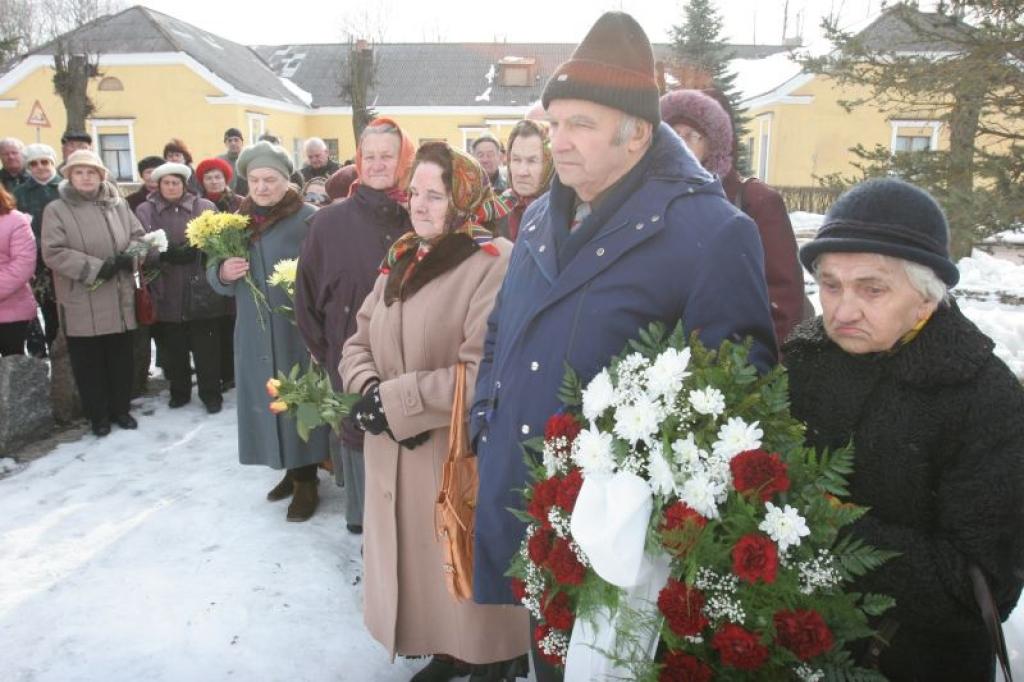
990, 614
458, 439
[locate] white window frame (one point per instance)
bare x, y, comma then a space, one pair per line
474, 132
764, 145
895, 125
98, 124
257, 124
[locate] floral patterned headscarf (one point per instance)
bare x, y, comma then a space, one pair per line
406, 155
516, 202
473, 204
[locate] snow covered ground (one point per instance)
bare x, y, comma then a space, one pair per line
152, 555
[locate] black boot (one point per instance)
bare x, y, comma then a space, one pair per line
304, 501
502, 671
442, 668
101, 427
125, 421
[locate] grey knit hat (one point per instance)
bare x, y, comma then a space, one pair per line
264, 155
613, 66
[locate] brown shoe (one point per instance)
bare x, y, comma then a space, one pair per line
282, 490
304, 502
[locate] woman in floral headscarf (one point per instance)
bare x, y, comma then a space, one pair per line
427, 313
530, 167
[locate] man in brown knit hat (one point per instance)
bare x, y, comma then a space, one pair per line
633, 230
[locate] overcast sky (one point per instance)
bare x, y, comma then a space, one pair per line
317, 21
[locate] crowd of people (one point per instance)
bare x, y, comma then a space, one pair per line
609, 207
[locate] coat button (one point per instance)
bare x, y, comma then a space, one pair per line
639, 226
534, 366
542, 248
483, 439
525, 429
531, 228
655, 218
497, 384
600, 251
410, 400
387, 496
346, 310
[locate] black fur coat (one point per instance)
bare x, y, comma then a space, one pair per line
938, 430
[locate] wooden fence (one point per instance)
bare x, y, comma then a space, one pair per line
810, 199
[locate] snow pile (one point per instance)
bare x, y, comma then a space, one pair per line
758, 76
7, 465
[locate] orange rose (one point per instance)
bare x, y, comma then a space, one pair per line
272, 387
278, 406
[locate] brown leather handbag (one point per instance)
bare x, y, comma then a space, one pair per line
145, 311
455, 508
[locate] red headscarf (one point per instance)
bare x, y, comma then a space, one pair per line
406, 155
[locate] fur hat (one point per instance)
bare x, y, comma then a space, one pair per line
84, 157
34, 152
264, 155
706, 116
233, 132
889, 217
164, 169
613, 66
148, 163
207, 165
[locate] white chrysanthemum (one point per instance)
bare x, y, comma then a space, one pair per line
592, 452
666, 376
662, 478
687, 454
708, 401
736, 436
785, 526
637, 421
700, 493
598, 396
157, 239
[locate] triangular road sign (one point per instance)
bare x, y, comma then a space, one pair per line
38, 117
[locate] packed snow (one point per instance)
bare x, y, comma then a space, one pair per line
153, 555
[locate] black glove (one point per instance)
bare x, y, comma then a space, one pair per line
368, 414
179, 254
124, 261
414, 441
108, 268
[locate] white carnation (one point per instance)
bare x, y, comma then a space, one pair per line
687, 455
598, 396
708, 401
785, 526
638, 421
700, 493
592, 452
665, 377
736, 436
662, 478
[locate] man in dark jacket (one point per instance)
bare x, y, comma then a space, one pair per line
935, 419
12, 163
319, 163
632, 231
146, 167
233, 142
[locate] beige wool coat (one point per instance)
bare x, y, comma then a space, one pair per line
413, 347
77, 236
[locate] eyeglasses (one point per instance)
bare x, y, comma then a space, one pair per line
40, 162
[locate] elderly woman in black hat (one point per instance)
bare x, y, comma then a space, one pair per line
935, 419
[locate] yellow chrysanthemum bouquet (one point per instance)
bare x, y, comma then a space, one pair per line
221, 236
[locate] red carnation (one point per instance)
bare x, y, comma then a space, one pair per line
739, 648
518, 589
564, 565
564, 426
803, 632
545, 494
754, 558
569, 490
756, 471
682, 667
682, 525
557, 611
539, 545
539, 633
682, 606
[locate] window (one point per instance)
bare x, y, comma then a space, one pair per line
115, 150
912, 143
332, 148
517, 71
257, 126
111, 83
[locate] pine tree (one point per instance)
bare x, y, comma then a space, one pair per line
702, 60
961, 66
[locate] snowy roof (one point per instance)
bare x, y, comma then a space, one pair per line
438, 74
142, 30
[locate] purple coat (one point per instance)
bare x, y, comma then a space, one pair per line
338, 266
181, 291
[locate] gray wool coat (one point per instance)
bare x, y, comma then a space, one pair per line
262, 351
